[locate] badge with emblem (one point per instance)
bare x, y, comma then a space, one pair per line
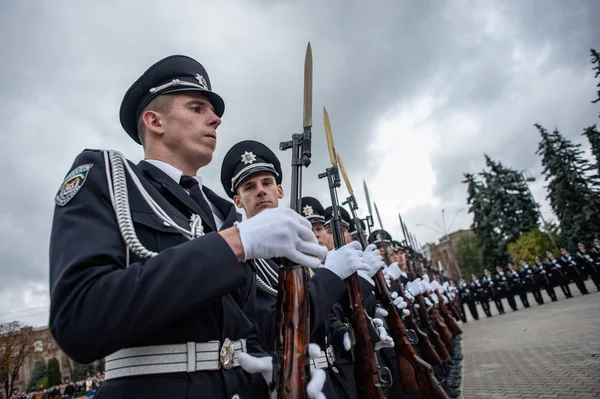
248, 157
226, 355
72, 184
308, 210
201, 81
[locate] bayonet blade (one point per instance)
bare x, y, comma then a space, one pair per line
368, 198
308, 86
378, 217
329, 135
346, 180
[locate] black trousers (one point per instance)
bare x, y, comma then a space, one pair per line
473, 309
499, 305
563, 282
537, 295
510, 297
524, 299
485, 304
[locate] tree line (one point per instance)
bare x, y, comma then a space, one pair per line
506, 219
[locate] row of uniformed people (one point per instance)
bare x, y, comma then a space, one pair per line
548, 274
155, 272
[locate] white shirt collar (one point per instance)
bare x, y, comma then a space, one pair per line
171, 170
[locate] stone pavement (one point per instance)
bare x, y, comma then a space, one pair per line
547, 351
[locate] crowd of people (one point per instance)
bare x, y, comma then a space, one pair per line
75, 389
547, 274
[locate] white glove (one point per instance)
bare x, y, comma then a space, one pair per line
346, 260
425, 287
425, 278
445, 299
447, 286
372, 257
436, 286
393, 271
280, 233
408, 296
346, 341
414, 287
388, 280
400, 304
385, 341
435, 299
264, 366
428, 304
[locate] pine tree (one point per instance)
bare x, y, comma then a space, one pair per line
572, 187
593, 135
39, 371
596, 62
502, 210
54, 376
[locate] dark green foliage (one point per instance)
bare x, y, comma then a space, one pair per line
593, 135
39, 371
573, 187
502, 209
468, 255
596, 62
54, 376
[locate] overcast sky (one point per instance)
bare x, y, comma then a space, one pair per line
416, 93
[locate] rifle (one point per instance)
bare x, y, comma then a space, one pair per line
406, 357
454, 328
426, 322
291, 366
366, 369
430, 388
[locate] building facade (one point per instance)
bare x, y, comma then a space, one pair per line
443, 254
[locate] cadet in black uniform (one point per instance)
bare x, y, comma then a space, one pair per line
546, 277
467, 297
503, 285
517, 284
481, 291
147, 267
251, 175
592, 266
557, 266
531, 279
495, 292
574, 271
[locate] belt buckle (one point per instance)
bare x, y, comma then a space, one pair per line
329, 353
226, 354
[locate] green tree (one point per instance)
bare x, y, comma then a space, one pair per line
531, 244
468, 255
596, 62
572, 187
502, 209
593, 136
39, 371
54, 376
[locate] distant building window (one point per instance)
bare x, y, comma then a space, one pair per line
38, 346
51, 345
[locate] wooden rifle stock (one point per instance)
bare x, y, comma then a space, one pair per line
439, 345
416, 375
292, 334
443, 330
454, 328
366, 370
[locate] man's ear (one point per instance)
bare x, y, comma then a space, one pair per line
279, 191
153, 122
237, 201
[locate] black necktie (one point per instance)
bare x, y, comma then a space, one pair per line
192, 184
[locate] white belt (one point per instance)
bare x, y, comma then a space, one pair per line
174, 358
325, 360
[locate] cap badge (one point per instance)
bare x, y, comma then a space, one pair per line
379, 237
248, 157
201, 81
308, 210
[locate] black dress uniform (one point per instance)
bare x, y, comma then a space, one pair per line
531, 279
494, 291
481, 292
573, 271
546, 277
467, 297
186, 296
325, 288
592, 267
517, 284
558, 269
503, 283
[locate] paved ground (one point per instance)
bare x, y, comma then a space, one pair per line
547, 351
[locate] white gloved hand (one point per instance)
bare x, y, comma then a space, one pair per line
425, 278
408, 296
346, 260
435, 286
445, 299
414, 287
435, 299
385, 341
381, 312
446, 286
393, 271
346, 341
372, 257
400, 304
280, 233
428, 304
264, 366
388, 280
425, 288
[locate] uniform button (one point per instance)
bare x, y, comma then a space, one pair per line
236, 396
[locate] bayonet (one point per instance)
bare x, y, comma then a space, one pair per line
378, 216
308, 83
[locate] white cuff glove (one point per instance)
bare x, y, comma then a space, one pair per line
346, 342
408, 296
414, 287
400, 304
388, 281
280, 233
393, 271
264, 366
346, 260
385, 341
435, 299
425, 278
372, 257
428, 304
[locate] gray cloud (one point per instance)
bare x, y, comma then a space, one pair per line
502, 67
